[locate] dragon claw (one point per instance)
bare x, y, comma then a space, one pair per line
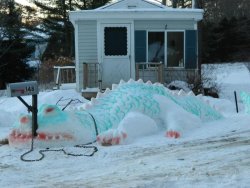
172, 134
110, 138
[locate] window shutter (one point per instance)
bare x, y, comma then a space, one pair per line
140, 46
191, 49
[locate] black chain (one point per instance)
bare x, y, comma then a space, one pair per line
59, 150
62, 150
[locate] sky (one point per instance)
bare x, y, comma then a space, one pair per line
24, 2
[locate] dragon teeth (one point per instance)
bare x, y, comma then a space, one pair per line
114, 86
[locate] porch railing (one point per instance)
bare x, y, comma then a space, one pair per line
150, 71
90, 75
64, 74
155, 72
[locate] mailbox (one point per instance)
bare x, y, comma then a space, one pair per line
26, 88
22, 89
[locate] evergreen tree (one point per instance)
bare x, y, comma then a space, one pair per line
60, 29
226, 41
14, 49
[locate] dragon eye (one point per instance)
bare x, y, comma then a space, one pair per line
24, 120
48, 110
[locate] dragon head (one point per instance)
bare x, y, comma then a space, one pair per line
55, 127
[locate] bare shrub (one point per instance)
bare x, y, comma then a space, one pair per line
204, 83
46, 70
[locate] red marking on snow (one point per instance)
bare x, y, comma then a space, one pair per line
57, 137
48, 110
173, 134
16, 137
13, 133
50, 137
117, 140
124, 135
24, 120
67, 136
109, 141
41, 136
98, 139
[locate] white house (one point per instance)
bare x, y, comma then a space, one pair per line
122, 34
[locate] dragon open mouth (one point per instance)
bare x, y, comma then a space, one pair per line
17, 138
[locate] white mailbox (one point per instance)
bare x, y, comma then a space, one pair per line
26, 88
22, 89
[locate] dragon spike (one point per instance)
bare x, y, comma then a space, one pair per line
121, 82
191, 93
181, 92
149, 82
131, 80
175, 92
157, 84
87, 105
114, 86
99, 95
140, 81
107, 91
199, 95
93, 100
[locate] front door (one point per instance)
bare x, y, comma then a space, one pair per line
115, 54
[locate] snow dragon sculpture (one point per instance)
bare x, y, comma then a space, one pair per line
129, 110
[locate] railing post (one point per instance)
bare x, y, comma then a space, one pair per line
85, 75
137, 71
160, 73
58, 77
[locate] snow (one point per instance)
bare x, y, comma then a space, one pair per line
228, 78
215, 154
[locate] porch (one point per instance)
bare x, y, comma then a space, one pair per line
155, 72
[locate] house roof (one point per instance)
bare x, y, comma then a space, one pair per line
133, 4
137, 9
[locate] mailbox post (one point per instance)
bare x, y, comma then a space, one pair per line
23, 89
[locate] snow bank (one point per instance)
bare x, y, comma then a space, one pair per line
10, 108
227, 77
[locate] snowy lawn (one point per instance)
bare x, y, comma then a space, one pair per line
214, 155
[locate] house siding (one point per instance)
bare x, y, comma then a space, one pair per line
87, 46
87, 41
164, 25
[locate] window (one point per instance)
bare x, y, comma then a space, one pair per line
156, 47
175, 49
115, 41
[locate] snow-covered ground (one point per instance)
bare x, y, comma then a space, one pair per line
214, 155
